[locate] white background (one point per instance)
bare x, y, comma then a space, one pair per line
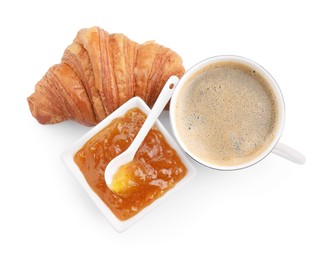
274, 210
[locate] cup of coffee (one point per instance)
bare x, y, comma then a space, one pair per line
228, 113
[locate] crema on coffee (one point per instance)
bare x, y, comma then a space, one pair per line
226, 114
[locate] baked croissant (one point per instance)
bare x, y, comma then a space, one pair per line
98, 73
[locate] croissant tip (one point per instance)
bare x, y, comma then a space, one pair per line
41, 115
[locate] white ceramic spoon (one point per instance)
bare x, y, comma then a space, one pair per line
156, 110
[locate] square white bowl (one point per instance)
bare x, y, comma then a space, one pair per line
68, 155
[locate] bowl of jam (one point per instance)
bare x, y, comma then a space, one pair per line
159, 168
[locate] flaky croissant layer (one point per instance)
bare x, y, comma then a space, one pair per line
98, 73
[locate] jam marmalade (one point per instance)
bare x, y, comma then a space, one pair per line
155, 169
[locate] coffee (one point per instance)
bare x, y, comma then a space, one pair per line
227, 114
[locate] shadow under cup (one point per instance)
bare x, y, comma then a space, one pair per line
194, 73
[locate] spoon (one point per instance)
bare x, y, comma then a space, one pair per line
156, 110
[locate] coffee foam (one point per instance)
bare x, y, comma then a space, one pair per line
226, 114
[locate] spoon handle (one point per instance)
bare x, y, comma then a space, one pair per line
156, 110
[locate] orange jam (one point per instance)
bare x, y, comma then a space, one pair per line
155, 169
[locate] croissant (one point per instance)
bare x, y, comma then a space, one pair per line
98, 73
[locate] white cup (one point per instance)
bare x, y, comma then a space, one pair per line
274, 147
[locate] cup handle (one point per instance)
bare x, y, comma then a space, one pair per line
289, 153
